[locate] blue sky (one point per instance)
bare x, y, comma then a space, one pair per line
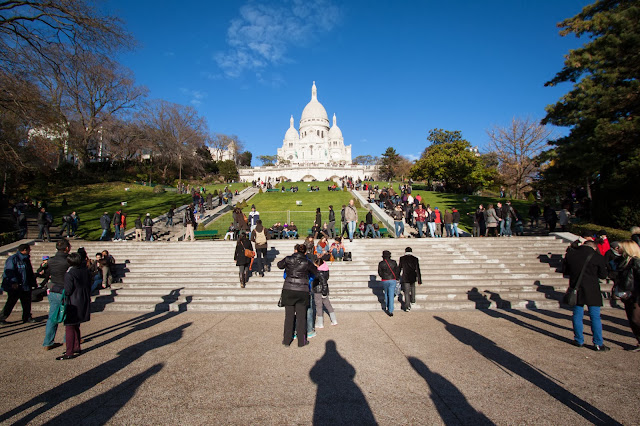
390, 70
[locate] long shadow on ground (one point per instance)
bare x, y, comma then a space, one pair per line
509, 361
82, 383
451, 404
339, 400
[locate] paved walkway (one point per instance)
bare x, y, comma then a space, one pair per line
480, 367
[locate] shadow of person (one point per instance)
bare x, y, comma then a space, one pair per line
85, 381
505, 359
451, 404
377, 290
338, 399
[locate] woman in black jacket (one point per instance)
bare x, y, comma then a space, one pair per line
317, 224
242, 257
77, 289
295, 294
629, 283
388, 271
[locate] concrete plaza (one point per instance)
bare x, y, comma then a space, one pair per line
464, 367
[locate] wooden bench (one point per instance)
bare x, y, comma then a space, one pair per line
213, 233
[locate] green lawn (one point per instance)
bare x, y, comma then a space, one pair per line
281, 207
91, 201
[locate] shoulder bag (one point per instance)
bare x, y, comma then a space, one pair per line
571, 296
60, 314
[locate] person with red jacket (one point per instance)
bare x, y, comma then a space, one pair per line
603, 242
438, 221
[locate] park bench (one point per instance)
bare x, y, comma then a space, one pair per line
273, 190
213, 233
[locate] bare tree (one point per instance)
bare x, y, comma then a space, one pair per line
517, 146
175, 132
95, 89
29, 28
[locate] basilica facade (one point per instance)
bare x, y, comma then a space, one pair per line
313, 152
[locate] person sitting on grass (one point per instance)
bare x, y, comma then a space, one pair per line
361, 228
231, 232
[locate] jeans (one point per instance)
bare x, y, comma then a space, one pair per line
104, 234
117, 230
291, 234
419, 225
43, 229
97, 281
352, 229
55, 299
310, 314
507, 226
399, 228
449, 229
169, 221
455, 230
596, 324
432, 229
261, 258
502, 222
337, 254
373, 231
389, 287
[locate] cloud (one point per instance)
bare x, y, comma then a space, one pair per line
196, 96
264, 33
412, 157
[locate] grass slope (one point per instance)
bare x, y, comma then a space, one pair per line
91, 201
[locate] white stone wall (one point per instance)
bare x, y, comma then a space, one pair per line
307, 174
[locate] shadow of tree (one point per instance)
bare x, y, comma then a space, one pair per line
85, 381
509, 361
451, 404
339, 400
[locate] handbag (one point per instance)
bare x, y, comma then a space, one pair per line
571, 296
347, 256
397, 289
60, 314
249, 253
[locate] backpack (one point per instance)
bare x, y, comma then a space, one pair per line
261, 238
48, 218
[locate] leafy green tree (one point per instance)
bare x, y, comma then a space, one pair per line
388, 163
449, 160
228, 170
366, 160
601, 151
268, 160
244, 159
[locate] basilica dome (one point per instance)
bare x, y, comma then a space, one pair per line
292, 133
335, 132
314, 113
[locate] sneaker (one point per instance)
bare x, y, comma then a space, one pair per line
334, 323
601, 348
319, 326
310, 335
30, 321
579, 345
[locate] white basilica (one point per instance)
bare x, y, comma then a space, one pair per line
314, 152
315, 143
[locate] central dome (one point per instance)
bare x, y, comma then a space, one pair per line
314, 113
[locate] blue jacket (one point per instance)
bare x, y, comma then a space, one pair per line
18, 270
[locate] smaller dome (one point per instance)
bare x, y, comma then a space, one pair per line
292, 133
335, 132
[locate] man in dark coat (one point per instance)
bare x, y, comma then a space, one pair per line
586, 256
409, 272
18, 281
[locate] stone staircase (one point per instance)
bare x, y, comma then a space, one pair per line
458, 273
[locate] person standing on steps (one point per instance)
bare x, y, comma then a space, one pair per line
105, 224
388, 272
123, 226
351, 216
148, 227
368, 220
321, 296
587, 258
398, 220
170, 214
243, 256
343, 221
77, 288
189, 223
117, 218
332, 223
43, 224
254, 217
295, 294
409, 272
259, 238
317, 224
18, 280
56, 271
138, 225
456, 220
420, 215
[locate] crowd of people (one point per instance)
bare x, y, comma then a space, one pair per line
68, 278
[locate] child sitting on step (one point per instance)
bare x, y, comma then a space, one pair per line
321, 296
